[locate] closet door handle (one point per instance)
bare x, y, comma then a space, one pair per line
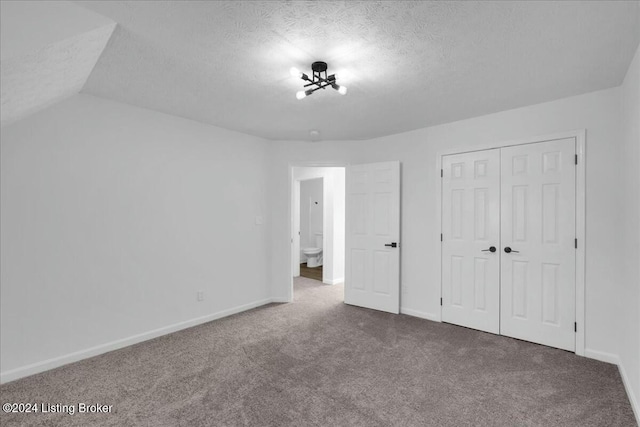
491, 249
509, 250
393, 245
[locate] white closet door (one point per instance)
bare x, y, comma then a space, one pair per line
372, 236
471, 226
538, 253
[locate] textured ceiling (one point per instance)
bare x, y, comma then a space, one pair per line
407, 64
33, 82
28, 26
48, 51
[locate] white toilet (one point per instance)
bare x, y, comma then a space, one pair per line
314, 255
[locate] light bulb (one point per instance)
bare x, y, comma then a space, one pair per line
342, 90
342, 75
295, 72
301, 94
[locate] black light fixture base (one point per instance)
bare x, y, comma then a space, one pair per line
319, 80
319, 67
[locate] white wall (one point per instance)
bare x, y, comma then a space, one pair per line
333, 225
311, 213
339, 190
113, 217
630, 206
418, 151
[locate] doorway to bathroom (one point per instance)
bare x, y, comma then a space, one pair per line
311, 228
318, 223
363, 258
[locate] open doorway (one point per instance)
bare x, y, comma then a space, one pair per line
311, 228
318, 223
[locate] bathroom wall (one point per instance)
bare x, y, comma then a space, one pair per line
311, 213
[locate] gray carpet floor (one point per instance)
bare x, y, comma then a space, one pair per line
319, 362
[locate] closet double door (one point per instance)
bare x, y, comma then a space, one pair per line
508, 241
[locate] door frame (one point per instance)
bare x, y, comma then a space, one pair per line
291, 181
580, 137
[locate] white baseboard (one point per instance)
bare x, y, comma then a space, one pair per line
602, 356
635, 405
615, 359
55, 362
420, 314
279, 300
334, 281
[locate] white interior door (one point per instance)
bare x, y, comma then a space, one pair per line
372, 236
538, 238
471, 240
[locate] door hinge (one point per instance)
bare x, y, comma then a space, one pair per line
576, 243
441, 173
576, 159
575, 326
441, 238
440, 301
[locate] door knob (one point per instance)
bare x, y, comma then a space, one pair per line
393, 244
509, 250
491, 249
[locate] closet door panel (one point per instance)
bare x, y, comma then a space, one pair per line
471, 226
537, 245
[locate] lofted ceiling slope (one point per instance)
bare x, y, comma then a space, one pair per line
48, 51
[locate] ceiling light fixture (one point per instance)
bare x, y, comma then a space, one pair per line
318, 80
